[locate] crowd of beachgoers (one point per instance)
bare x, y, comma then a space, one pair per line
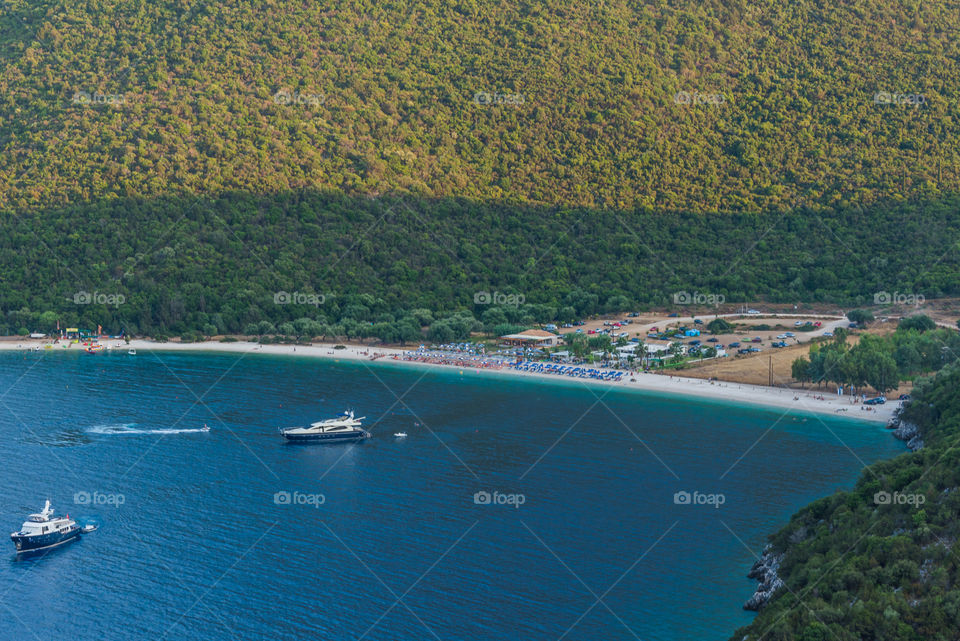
468, 356
575, 371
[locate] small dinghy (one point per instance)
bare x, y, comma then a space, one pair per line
401, 434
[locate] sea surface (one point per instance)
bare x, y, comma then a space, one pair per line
514, 509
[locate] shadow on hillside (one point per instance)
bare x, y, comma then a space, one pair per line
231, 254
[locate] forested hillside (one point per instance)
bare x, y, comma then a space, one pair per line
198, 158
686, 105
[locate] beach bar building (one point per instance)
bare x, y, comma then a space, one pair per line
531, 338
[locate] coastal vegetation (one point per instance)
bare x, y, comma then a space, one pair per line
879, 561
881, 362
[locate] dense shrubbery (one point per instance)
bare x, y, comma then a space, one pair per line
878, 562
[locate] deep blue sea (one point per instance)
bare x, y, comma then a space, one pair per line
233, 534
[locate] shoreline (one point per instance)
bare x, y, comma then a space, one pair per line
738, 393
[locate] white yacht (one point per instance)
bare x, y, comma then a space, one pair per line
332, 430
44, 530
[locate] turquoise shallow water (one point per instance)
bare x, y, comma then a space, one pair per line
204, 544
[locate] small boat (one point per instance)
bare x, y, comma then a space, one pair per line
205, 428
43, 531
132, 352
95, 349
401, 434
342, 428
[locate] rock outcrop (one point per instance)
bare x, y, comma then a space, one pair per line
906, 431
765, 571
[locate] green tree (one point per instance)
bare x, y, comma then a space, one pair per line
860, 316
800, 370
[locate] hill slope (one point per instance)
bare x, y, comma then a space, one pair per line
545, 102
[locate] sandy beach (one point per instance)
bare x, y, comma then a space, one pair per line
809, 401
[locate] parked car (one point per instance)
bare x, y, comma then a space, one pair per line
673, 315
753, 312
712, 340
634, 314
875, 401
592, 331
817, 324
756, 339
778, 344
789, 334
904, 397
697, 321
753, 349
694, 342
828, 334
745, 350
798, 324
734, 344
